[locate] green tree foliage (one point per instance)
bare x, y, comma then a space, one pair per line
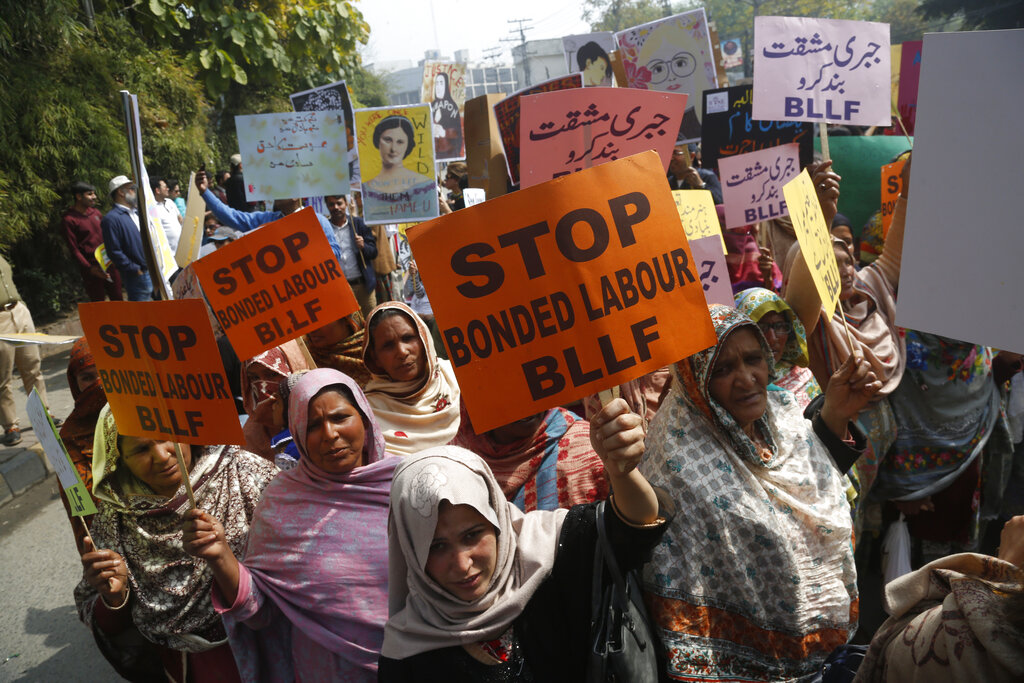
616, 15
977, 14
61, 121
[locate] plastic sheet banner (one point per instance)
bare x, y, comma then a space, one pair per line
563, 289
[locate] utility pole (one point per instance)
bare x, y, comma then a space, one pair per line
522, 44
491, 54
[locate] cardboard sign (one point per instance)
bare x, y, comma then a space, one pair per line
698, 215
961, 275
444, 87
396, 153
714, 274
752, 184
161, 370
815, 239
821, 70
192, 227
590, 54
732, 53
728, 128
275, 284
292, 155
42, 424
891, 186
910, 77
485, 159
506, 113
333, 97
670, 55
563, 289
567, 131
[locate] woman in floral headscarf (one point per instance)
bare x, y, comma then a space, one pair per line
146, 601
785, 335
757, 580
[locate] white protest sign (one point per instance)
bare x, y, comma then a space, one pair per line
42, 425
752, 184
822, 70
473, 196
961, 275
294, 154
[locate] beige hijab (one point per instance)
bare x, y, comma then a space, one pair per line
424, 616
417, 414
872, 322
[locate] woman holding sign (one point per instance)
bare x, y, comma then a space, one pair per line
756, 581
867, 302
413, 392
481, 591
139, 587
309, 600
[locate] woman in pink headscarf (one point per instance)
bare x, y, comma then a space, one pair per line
309, 600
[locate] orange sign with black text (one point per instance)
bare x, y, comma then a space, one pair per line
275, 284
563, 289
160, 368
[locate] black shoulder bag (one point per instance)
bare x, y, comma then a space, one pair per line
623, 646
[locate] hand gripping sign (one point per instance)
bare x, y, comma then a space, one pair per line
275, 284
563, 289
161, 371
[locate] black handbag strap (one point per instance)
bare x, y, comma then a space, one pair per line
606, 549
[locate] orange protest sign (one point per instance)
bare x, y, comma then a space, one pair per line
891, 185
563, 289
275, 284
160, 368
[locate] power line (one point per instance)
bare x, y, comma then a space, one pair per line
522, 44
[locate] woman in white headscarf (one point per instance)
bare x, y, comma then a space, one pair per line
479, 590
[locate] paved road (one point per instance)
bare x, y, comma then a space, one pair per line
41, 638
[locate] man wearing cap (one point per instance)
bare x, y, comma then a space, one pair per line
15, 318
245, 221
234, 186
81, 227
222, 236
123, 239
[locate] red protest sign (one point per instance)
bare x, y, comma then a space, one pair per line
275, 284
161, 370
563, 289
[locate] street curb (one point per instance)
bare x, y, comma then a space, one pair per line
22, 467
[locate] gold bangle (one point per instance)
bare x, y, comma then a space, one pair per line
128, 594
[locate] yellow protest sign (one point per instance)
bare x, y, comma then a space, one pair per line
42, 424
102, 258
192, 227
814, 237
698, 215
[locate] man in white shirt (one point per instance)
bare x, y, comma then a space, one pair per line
167, 212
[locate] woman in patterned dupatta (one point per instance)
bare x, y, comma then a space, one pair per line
542, 462
146, 601
757, 580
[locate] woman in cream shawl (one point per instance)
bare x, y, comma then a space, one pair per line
413, 393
